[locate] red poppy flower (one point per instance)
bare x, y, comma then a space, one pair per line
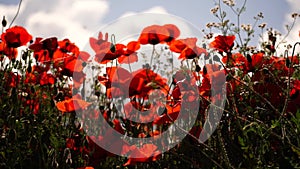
173, 30
257, 60
11, 53
145, 80
238, 60
146, 153
16, 36
44, 49
39, 75
70, 143
78, 79
137, 112
118, 127
69, 66
96, 44
72, 104
191, 53
96, 152
105, 54
119, 77
294, 104
86, 167
65, 49
170, 116
129, 55
179, 45
67, 45
33, 104
138, 83
187, 48
205, 87
223, 43
46, 78
84, 56
12, 79
128, 58
154, 34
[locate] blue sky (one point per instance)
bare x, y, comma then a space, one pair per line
76, 19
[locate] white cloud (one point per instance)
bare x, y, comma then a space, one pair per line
73, 19
80, 19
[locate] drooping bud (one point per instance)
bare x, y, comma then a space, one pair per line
4, 22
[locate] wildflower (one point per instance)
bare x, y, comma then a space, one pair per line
105, 55
223, 43
16, 36
246, 27
11, 53
146, 153
129, 54
215, 9
295, 15
187, 48
72, 104
44, 48
46, 78
263, 25
156, 34
229, 2
96, 43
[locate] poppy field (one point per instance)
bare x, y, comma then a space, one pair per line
226, 104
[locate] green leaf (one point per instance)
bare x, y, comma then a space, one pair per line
298, 115
241, 141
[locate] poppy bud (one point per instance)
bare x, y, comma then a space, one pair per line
204, 70
198, 68
174, 81
216, 58
146, 66
101, 107
287, 62
24, 55
249, 59
97, 93
4, 22
112, 48
29, 69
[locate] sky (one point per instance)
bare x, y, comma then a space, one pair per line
80, 19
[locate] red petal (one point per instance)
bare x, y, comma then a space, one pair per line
128, 59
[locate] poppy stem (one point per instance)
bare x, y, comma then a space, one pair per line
152, 55
289, 81
129, 65
16, 14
